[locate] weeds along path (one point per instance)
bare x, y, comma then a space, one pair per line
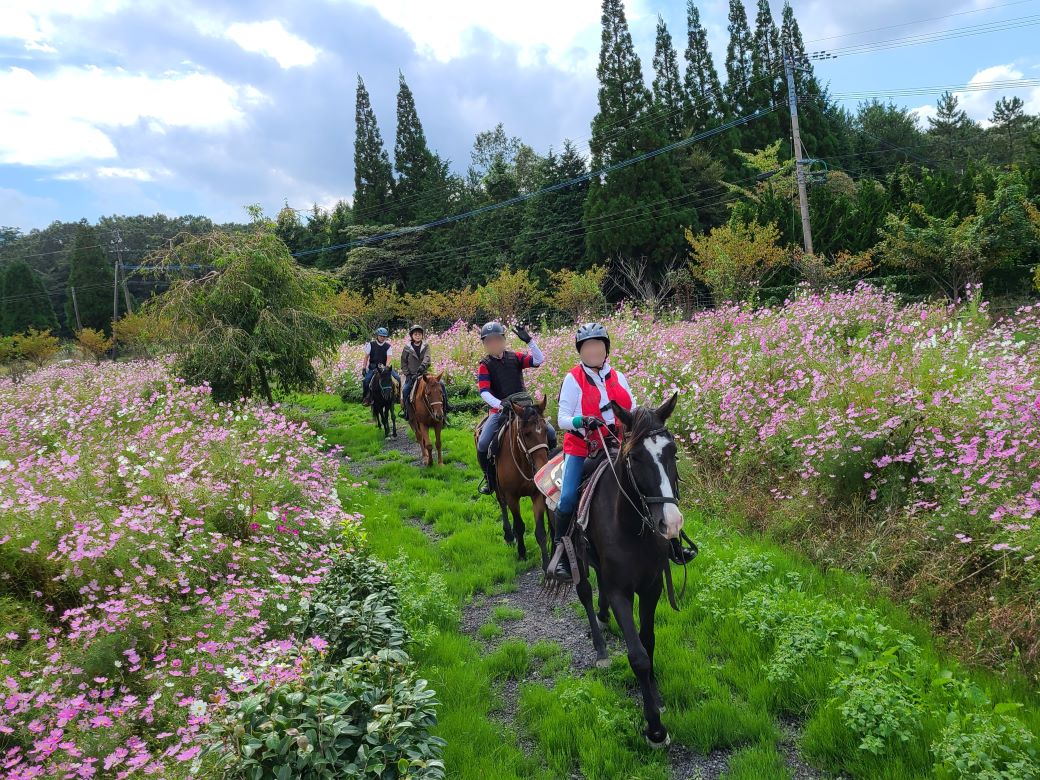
747, 668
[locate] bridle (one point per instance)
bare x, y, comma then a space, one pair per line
387, 390
437, 414
520, 444
644, 502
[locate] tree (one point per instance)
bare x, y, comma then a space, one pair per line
36, 346
738, 62
258, 319
373, 176
553, 234
887, 136
413, 161
93, 343
733, 259
579, 295
24, 300
669, 102
703, 89
635, 211
92, 277
766, 74
1009, 120
510, 296
951, 129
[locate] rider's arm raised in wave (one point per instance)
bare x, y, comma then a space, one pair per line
535, 355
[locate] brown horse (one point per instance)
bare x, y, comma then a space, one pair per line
428, 414
523, 449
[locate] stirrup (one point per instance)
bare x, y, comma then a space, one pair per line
485, 488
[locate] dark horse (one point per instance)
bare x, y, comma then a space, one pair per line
523, 449
428, 414
384, 393
633, 514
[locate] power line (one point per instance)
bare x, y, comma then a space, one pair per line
552, 188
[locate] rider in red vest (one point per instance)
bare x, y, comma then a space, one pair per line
588, 419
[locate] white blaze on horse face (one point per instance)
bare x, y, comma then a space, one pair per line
673, 519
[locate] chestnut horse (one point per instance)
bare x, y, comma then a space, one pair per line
428, 414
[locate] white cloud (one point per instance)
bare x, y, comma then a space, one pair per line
109, 172
271, 39
979, 102
62, 118
542, 29
37, 22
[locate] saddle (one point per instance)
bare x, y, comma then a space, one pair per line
549, 481
520, 399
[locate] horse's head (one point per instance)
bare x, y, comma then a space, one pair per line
433, 395
533, 431
650, 458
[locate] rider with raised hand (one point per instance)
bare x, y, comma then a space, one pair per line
500, 375
378, 352
415, 361
586, 415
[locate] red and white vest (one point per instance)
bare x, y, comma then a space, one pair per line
575, 444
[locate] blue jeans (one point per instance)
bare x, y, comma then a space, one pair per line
572, 469
487, 433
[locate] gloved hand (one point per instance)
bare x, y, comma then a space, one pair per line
522, 333
592, 424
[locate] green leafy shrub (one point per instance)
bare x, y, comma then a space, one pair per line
356, 608
366, 717
986, 746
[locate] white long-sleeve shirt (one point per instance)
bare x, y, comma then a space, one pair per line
570, 396
536, 359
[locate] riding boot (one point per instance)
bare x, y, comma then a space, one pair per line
487, 486
563, 525
679, 554
404, 411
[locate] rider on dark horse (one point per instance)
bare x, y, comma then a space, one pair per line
378, 352
586, 416
500, 375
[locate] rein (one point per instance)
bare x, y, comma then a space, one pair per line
519, 443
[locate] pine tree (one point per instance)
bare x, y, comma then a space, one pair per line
1009, 120
373, 176
632, 212
91, 274
703, 89
670, 105
738, 62
24, 302
413, 161
950, 129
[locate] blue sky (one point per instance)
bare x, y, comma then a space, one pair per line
183, 107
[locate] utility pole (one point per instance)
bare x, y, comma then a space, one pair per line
796, 140
75, 308
115, 304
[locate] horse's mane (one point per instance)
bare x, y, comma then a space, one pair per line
644, 422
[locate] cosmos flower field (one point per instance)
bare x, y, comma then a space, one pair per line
154, 546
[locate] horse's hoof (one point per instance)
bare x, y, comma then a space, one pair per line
603, 663
664, 743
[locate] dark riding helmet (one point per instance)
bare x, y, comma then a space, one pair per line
492, 329
382, 332
414, 328
590, 331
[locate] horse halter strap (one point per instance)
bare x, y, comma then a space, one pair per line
643, 507
528, 451
426, 398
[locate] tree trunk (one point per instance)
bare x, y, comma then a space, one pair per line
264, 386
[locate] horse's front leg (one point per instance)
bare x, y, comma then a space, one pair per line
507, 529
393, 417
639, 660
584, 589
648, 599
538, 507
440, 456
518, 527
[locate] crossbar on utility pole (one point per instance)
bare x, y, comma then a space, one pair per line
796, 140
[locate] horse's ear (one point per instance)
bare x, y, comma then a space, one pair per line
664, 411
518, 409
622, 414
437, 377
541, 404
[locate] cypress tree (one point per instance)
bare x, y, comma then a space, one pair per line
413, 160
91, 274
24, 302
766, 74
703, 88
670, 104
373, 177
631, 212
738, 62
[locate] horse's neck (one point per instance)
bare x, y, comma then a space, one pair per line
615, 490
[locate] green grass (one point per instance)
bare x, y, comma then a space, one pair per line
762, 634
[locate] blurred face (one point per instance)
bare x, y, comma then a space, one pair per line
417, 337
495, 345
381, 339
593, 353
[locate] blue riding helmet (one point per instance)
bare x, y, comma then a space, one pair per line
382, 332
